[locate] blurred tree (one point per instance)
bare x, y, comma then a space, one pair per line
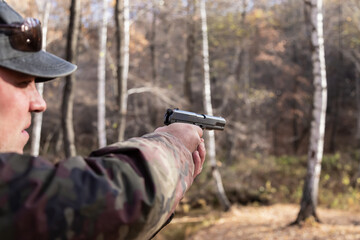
123, 40
153, 106
69, 88
101, 76
315, 153
152, 41
44, 8
190, 49
241, 69
292, 116
351, 34
208, 110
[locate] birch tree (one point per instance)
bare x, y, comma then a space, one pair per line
68, 97
123, 56
315, 152
211, 152
101, 76
44, 6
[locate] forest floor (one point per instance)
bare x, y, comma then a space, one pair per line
269, 223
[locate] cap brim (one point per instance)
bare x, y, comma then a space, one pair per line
42, 65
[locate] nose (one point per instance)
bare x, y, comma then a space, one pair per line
37, 102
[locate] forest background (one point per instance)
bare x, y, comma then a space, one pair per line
261, 83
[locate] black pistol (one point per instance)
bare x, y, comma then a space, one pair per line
204, 121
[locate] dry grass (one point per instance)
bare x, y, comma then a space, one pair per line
271, 222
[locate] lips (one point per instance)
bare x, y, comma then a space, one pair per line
24, 131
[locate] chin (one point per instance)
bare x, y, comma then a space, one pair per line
20, 151
11, 150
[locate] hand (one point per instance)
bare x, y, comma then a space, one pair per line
191, 136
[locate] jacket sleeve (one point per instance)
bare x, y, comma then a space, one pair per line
125, 191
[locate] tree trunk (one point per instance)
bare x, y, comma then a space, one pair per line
357, 79
295, 105
37, 124
275, 135
295, 120
101, 77
238, 60
335, 112
123, 40
68, 97
190, 50
315, 152
245, 75
208, 110
337, 99
241, 67
152, 46
118, 37
152, 107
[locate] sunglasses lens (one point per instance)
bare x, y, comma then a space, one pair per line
28, 37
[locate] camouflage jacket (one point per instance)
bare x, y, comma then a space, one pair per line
125, 191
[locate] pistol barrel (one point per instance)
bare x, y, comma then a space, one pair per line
204, 121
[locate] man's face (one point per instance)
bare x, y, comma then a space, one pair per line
18, 99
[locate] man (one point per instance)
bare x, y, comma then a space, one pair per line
125, 191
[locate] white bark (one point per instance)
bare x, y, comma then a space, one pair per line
125, 68
320, 96
101, 77
211, 152
37, 122
315, 152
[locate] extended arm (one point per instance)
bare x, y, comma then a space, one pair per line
124, 191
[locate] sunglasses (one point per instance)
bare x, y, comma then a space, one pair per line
25, 36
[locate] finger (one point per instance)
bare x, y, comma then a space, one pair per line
197, 163
202, 151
